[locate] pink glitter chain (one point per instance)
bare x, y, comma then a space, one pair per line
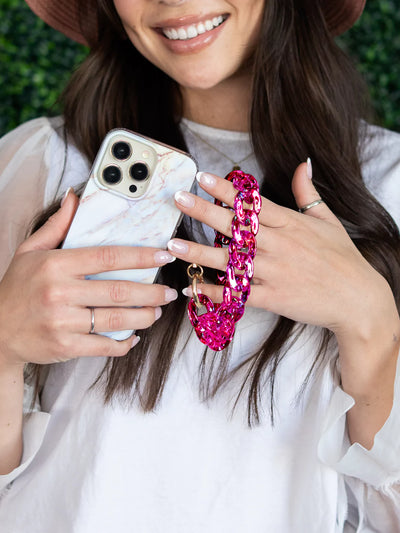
215, 327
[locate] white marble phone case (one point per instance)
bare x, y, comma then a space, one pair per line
106, 217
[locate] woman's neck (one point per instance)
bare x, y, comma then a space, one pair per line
225, 106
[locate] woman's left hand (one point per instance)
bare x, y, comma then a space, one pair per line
306, 267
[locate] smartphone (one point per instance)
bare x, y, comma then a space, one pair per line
129, 200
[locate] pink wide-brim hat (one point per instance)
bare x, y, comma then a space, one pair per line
63, 16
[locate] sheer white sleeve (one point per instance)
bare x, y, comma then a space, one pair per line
36, 167
24, 169
23, 176
371, 477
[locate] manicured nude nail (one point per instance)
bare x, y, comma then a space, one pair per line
309, 168
184, 199
206, 179
170, 294
65, 195
158, 312
179, 247
162, 257
187, 291
135, 341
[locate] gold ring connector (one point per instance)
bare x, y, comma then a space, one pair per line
195, 272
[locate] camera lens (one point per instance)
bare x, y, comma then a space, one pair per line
111, 174
121, 150
139, 171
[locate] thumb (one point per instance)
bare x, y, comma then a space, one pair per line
305, 194
54, 230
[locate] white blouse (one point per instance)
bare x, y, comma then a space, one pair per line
193, 466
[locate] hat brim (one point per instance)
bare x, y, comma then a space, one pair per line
341, 16
63, 16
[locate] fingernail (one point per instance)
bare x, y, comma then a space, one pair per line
170, 294
206, 179
184, 199
309, 168
179, 247
162, 257
135, 341
158, 312
187, 291
65, 195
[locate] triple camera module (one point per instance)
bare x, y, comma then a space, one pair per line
122, 151
127, 165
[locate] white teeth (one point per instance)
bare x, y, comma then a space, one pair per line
194, 30
191, 32
182, 35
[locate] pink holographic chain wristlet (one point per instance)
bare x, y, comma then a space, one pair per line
215, 327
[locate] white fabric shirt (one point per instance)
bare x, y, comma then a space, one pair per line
193, 466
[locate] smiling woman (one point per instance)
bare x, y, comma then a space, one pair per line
293, 427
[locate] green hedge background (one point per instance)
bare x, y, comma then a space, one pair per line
36, 61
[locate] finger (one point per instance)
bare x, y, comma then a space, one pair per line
214, 292
214, 216
219, 188
115, 319
271, 214
198, 253
217, 258
117, 293
100, 346
85, 261
305, 194
55, 229
219, 218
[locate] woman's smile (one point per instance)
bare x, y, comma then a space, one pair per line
190, 34
184, 31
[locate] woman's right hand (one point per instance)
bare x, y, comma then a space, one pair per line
45, 300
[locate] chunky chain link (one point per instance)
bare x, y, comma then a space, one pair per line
215, 327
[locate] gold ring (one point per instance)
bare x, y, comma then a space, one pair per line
196, 273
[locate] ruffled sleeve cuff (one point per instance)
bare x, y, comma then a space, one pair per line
35, 426
380, 466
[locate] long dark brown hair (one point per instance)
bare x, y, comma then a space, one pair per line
307, 100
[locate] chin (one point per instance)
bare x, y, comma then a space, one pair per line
198, 80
